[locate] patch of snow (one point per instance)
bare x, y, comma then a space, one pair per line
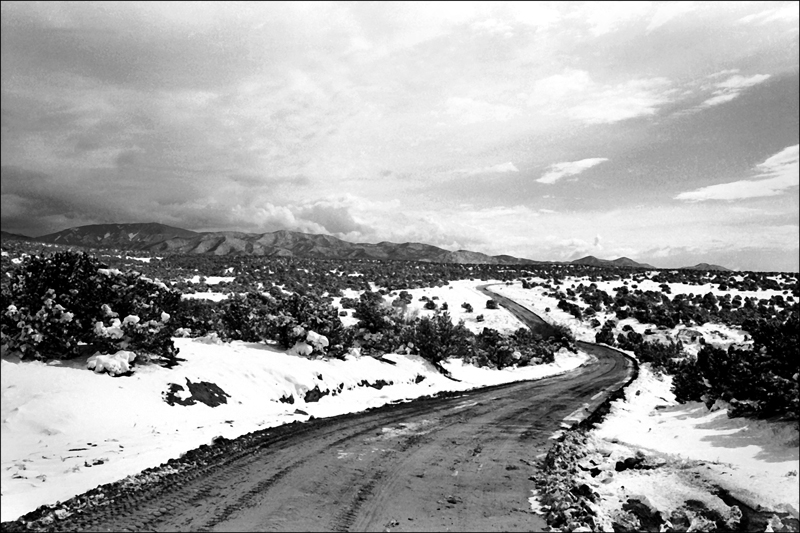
752, 459
54, 419
212, 280
213, 296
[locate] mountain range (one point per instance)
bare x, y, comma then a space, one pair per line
160, 238
621, 262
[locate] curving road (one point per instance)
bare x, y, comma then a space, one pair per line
460, 463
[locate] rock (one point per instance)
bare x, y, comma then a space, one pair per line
631, 463
649, 517
701, 523
775, 522
624, 521
734, 518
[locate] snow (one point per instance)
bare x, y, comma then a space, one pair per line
58, 440
213, 296
114, 364
66, 429
212, 280
537, 300
454, 294
755, 460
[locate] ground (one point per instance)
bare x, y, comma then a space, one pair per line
66, 429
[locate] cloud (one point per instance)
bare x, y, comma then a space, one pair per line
606, 17
494, 26
570, 168
574, 94
787, 13
725, 72
495, 169
777, 174
471, 111
669, 11
732, 87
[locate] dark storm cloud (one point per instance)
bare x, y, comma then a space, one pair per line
394, 121
37, 203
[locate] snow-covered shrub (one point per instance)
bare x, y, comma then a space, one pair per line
314, 343
61, 305
761, 380
496, 348
288, 319
250, 317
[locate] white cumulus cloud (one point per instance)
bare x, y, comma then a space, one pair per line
569, 168
732, 87
778, 173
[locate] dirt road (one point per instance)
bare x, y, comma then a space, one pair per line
459, 463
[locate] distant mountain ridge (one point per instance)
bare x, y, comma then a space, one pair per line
161, 238
154, 237
707, 266
620, 262
6, 236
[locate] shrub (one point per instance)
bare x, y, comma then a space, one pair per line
195, 314
658, 353
467, 307
605, 336
687, 382
436, 338
760, 381
65, 304
532, 348
491, 304
372, 312
249, 317
498, 349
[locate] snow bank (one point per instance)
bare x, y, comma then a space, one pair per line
59, 438
755, 460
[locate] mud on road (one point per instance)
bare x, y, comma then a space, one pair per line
461, 462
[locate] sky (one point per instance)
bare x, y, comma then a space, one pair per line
666, 132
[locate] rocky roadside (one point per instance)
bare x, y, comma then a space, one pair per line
581, 488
